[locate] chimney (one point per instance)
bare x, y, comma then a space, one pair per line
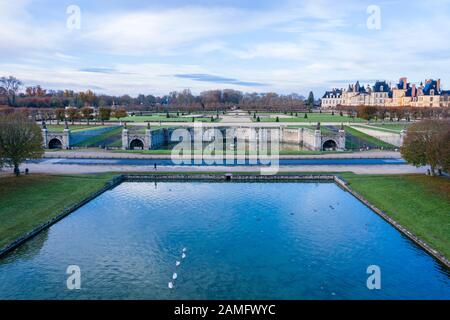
413, 91
438, 85
405, 83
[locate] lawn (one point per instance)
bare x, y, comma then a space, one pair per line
163, 118
355, 139
29, 201
74, 128
312, 117
109, 138
390, 127
418, 202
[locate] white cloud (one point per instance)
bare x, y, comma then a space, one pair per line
298, 46
20, 34
161, 32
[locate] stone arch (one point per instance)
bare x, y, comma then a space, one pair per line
137, 144
55, 143
329, 145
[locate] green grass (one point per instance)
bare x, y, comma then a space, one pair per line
356, 139
110, 138
390, 127
163, 118
323, 129
29, 201
418, 202
312, 117
196, 152
74, 128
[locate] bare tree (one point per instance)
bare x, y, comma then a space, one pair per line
10, 86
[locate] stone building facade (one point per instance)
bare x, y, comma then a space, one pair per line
382, 94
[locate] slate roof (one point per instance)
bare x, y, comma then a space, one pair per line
381, 86
336, 94
431, 85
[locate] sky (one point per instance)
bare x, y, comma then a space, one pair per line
284, 46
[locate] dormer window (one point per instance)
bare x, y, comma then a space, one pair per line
381, 89
432, 92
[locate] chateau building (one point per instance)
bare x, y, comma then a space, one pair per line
403, 94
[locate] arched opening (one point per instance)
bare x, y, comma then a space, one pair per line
329, 145
136, 144
55, 144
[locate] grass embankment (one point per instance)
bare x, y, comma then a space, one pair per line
29, 201
420, 203
74, 128
110, 138
355, 139
389, 127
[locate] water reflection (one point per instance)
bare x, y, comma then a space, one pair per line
243, 240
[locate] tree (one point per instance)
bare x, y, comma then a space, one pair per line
60, 114
120, 113
445, 151
426, 143
87, 98
10, 86
367, 112
20, 139
72, 114
310, 101
104, 114
86, 113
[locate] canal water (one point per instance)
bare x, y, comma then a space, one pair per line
168, 162
239, 241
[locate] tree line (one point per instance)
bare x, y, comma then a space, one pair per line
394, 113
12, 95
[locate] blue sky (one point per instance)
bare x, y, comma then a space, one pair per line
132, 47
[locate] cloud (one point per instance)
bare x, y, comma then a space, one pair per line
162, 31
287, 46
219, 79
20, 34
98, 70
